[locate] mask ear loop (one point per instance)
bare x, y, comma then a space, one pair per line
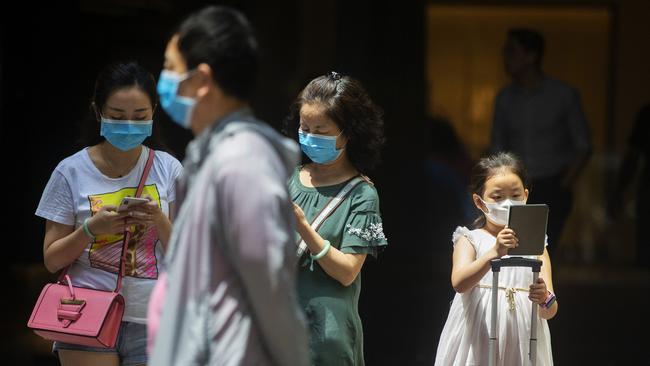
102, 118
346, 142
186, 76
484, 204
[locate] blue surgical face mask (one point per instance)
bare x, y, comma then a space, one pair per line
321, 149
125, 135
179, 108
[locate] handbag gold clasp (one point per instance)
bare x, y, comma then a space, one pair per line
72, 302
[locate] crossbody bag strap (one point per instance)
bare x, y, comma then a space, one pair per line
328, 209
127, 231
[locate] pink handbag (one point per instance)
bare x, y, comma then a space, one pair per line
80, 315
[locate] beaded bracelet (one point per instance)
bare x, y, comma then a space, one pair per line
87, 230
319, 255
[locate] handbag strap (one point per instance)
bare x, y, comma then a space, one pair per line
127, 233
328, 209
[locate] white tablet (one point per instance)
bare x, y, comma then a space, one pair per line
529, 224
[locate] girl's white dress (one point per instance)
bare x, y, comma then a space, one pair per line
465, 337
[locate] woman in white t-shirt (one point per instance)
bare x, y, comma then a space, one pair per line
84, 229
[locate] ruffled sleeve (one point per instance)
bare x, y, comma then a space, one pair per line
363, 232
460, 232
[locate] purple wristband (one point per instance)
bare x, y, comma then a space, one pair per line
550, 299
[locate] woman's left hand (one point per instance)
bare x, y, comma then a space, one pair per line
300, 215
147, 214
538, 291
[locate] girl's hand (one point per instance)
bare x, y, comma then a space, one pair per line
538, 291
300, 215
506, 239
107, 221
147, 214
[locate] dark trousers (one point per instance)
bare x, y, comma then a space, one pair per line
559, 200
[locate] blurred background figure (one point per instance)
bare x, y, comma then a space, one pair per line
541, 120
447, 168
637, 153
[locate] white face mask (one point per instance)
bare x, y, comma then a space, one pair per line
498, 211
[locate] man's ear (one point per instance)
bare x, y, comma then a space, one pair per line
206, 79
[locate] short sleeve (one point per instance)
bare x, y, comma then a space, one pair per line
177, 170
463, 232
363, 232
170, 171
56, 202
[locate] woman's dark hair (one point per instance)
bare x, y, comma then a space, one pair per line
223, 38
490, 166
350, 107
530, 39
114, 77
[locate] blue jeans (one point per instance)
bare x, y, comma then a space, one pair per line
131, 345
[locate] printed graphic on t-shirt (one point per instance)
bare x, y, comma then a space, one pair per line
105, 252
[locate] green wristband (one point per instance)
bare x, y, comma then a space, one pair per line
319, 255
87, 230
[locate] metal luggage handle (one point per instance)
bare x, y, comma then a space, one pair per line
496, 264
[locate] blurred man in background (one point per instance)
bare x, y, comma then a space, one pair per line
541, 120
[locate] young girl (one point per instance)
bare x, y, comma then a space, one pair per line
498, 181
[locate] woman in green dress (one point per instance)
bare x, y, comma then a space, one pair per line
340, 131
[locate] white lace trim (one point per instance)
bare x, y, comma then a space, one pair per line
373, 233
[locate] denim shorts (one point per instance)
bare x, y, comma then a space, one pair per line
131, 345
